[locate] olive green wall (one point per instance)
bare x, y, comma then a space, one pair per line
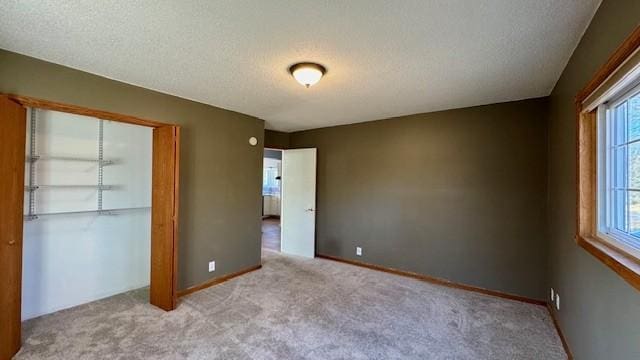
600, 312
464, 195
220, 179
276, 139
457, 194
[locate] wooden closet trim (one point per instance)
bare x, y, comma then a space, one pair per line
164, 217
165, 200
164, 210
79, 110
12, 146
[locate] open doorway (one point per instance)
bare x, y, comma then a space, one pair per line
289, 201
271, 199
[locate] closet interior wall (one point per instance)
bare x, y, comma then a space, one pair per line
87, 210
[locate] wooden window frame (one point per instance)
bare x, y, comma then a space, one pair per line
624, 264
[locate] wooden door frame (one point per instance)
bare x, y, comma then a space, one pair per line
165, 186
11, 224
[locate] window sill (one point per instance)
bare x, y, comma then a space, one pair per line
625, 265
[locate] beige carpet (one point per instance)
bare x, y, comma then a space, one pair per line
296, 308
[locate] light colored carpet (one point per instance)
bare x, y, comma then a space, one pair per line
297, 308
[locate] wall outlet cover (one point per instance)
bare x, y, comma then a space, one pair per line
553, 295
358, 251
557, 302
212, 266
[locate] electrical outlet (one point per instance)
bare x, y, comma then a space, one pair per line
557, 302
212, 266
553, 295
358, 251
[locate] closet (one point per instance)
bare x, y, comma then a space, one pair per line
87, 210
75, 183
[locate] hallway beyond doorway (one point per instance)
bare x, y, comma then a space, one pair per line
271, 233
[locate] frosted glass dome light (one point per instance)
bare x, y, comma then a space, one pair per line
307, 74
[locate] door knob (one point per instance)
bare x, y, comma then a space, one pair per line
12, 242
309, 209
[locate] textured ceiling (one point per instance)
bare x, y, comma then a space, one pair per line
384, 58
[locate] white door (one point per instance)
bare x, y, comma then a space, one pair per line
298, 218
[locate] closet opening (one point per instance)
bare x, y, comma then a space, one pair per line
87, 211
74, 206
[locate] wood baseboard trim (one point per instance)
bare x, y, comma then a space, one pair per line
556, 323
435, 280
217, 281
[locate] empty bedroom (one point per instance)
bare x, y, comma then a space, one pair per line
365, 179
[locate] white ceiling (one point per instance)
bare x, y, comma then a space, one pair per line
384, 58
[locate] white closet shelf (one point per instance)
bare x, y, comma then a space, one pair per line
69, 158
114, 211
44, 187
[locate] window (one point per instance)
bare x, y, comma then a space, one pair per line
619, 172
270, 181
608, 154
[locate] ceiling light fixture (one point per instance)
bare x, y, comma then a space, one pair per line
306, 73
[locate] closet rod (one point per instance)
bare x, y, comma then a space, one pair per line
98, 187
68, 158
80, 212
